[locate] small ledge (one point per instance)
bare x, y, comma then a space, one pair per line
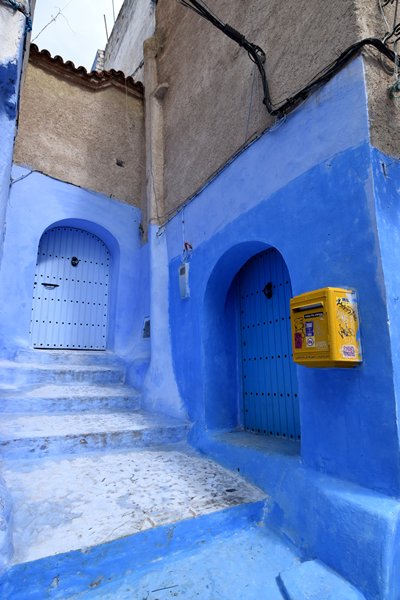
258, 443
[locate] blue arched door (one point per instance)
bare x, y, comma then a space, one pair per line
71, 291
270, 395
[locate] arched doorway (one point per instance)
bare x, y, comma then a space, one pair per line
71, 291
269, 382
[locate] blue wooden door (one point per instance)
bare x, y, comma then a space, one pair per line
71, 290
270, 396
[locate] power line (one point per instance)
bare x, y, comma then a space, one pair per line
257, 55
53, 19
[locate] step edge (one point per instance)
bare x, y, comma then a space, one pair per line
164, 542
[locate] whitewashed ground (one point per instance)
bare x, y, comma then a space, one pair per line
67, 503
31, 426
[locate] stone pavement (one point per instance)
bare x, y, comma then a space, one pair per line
68, 503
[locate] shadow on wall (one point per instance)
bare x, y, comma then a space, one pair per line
107, 237
220, 347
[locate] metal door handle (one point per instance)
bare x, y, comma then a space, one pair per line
267, 291
50, 286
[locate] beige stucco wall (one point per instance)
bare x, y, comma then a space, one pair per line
77, 134
213, 106
214, 103
384, 112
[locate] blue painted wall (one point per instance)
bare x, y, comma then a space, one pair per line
11, 58
160, 391
13, 32
312, 188
38, 202
386, 172
319, 212
331, 217
9, 81
352, 529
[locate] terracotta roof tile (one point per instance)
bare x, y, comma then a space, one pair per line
92, 79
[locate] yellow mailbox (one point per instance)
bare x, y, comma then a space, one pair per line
325, 328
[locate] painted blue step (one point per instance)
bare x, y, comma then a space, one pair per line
23, 374
312, 580
82, 520
240, 565
182, 554
69, 398
70, 433
78, 357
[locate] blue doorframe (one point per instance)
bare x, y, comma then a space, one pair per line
269, 382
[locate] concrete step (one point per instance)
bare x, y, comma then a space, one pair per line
42, 435
27, 374
80, 521
69, 398
312, 580
240, 565
63, 357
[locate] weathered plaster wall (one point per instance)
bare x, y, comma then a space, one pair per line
77, 134
12, 38
13, 35
214, 103
124, 50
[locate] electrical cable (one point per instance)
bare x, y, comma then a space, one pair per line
19, 7
384, 66
13, 181
299, 97
257, 55
381, 6
396, 61
54, 19
391, 38
250, 106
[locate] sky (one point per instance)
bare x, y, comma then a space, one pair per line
78, 32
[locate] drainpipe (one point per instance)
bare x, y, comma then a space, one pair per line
160, 391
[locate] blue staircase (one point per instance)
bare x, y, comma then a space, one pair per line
110, 501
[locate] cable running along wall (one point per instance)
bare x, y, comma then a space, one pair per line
257, 55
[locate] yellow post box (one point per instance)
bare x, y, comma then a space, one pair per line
325, 328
